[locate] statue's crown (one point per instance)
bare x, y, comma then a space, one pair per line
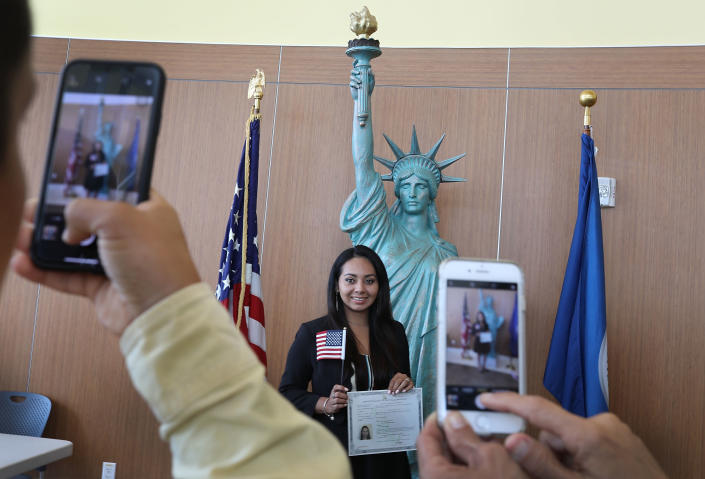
416, 159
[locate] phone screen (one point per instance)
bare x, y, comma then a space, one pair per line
102, 143
482, 341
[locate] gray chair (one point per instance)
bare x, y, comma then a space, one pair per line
25, 414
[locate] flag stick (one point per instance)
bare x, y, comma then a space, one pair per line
342, 356
245, 211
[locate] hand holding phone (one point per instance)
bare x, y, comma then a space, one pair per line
143, 249
102, 141
480, 340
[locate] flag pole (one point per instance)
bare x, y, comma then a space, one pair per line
256, 91
588, 98
342, 356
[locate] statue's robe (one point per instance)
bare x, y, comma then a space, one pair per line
412, 266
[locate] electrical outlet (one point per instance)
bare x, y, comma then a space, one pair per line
108, 470
607, 188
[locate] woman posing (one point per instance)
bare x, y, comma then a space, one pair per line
482, 340
376, 355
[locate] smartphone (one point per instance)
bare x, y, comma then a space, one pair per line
480, 340
103, 135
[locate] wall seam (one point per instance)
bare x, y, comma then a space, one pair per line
34, 330
271, 153
504, 154
39, 288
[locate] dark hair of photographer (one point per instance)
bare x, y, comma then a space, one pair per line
15, 29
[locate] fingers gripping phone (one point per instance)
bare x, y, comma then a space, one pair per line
480, 340
103, 135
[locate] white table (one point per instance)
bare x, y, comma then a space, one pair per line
20, 454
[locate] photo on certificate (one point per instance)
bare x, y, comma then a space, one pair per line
380, 422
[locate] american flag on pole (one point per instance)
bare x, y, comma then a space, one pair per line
330, 344
239, 288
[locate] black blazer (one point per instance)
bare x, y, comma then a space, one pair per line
302, 367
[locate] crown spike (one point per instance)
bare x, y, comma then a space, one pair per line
432, 152
451, 179
397, 151
415, 150
388, 163
426, 161
446, 163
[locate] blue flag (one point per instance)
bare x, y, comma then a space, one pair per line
576, 369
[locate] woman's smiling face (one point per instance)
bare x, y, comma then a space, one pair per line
357, 284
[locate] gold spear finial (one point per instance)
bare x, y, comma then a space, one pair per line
587, 99
363, 23
256, 88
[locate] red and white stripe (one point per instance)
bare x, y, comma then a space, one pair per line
252, 326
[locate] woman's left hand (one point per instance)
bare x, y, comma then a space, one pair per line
400, 383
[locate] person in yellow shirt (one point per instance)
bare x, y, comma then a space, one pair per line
204, 385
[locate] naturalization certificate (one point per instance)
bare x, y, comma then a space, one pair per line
381, 422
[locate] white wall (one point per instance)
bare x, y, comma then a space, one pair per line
403, 23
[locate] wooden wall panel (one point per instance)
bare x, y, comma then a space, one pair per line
655, 262
18, 297
400, 66
539, 204
653, 256
17, 304
187, 61
201, 140
34, 135
78, 364
648, 67
49, 54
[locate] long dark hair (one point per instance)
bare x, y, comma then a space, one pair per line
15, 28
483, 322
384, 354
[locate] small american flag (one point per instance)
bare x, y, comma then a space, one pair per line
330, 344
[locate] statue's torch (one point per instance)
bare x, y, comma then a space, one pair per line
363, 50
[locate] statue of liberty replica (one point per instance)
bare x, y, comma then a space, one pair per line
405, 235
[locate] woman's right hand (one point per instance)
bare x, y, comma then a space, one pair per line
336, 400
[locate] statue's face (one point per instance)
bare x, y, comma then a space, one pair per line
415, 195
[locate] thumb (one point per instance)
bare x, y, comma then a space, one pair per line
462, 440
536, 459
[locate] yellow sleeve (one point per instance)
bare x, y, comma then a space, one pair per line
208, 391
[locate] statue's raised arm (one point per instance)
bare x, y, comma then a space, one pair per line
362, 138
405, 235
